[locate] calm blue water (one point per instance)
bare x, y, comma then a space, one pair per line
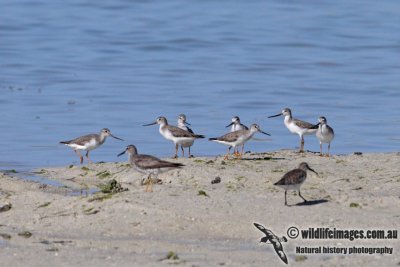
69, 68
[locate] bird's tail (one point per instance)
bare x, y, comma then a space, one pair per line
199, 136
280, 182
65, 142
212, 139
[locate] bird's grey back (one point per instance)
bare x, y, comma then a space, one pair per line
232, 136
82, 139
178, 132
151, 162
303, 124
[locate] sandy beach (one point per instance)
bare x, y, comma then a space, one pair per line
189, 221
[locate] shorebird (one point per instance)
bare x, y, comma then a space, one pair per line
237, 138
148, 165
182, 123
274, 240
175, 134
325, 134
293, 179
296, 126
236, 125
89, 142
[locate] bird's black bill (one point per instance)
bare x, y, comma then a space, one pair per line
229, 124
313, 171
120, 154
150, 124
264, 133
117, 137
187, 123
277, 115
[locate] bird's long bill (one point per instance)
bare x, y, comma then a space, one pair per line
187, 123
277, 115
116, 137
313, 171
229, 124
120, 154
150, 124
264, 133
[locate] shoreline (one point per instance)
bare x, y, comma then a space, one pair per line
203, 223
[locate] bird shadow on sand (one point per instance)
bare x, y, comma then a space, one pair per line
311, 202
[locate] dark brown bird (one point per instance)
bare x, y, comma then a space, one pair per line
148, 164
293, 179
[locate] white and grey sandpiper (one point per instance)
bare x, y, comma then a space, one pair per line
293, 179
296, 126
183, 124
236, 125
149, 165
89, 142
325, 134
175, 134
237, 138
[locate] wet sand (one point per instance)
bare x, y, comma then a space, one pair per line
204, 224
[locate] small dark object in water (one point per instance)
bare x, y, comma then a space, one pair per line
358, 153
216, 180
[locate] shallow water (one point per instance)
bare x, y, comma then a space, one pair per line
72, 68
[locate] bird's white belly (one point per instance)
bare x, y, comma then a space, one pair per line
295, 187
177, 140
146, 171
76, 147
224, 142
293, 128
243, 139
154, 171
92, 145
182, 140
187, 144
87, 146
166, 134
324, 135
